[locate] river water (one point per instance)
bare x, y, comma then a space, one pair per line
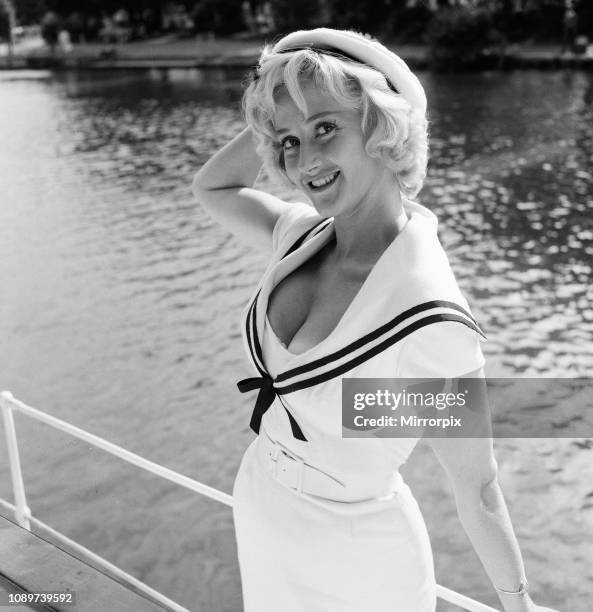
119, 304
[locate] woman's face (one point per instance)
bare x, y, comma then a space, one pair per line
324, 153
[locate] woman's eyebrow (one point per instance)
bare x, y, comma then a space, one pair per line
281, 131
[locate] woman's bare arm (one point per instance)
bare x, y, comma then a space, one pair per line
224, 187
473, 473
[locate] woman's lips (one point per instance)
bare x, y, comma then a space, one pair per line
324, 182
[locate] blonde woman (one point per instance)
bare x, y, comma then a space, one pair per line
359, 286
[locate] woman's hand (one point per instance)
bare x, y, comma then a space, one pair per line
514, 603
521, 603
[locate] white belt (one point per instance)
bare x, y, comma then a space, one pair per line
295, 473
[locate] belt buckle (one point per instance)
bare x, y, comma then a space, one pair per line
296, 458
300, 472
273, 454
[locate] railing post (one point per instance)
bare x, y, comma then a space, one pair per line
22, 511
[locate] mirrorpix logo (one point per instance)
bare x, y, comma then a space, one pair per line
396, 410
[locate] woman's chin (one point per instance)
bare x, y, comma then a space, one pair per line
325, 203
325, 209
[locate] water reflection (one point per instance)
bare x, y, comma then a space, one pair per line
513, 189
120, 300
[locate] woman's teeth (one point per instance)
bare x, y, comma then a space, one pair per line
330, 178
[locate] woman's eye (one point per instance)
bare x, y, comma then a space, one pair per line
289, 143
325, 128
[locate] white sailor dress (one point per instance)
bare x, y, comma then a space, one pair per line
363, 545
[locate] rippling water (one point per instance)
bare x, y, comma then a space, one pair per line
119, 304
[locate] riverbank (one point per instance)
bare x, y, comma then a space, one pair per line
171, 52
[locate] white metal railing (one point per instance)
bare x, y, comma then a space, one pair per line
24, 518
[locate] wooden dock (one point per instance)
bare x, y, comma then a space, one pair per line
29, 564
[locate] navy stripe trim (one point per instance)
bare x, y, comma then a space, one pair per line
256, 352
308, 234
317, 363
250, 325
256, 344
429, 320
297, 432
251, 319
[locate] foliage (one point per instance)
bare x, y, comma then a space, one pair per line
300, 15
50, 28
30, 11
458, 36
4, 26
408, 23
371, 16
457, 32
75, 24
215, 16
585, 14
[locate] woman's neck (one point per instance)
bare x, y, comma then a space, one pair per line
362, 236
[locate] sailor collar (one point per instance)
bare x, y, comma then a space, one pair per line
334, 356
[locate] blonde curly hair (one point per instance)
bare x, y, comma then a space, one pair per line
393, 131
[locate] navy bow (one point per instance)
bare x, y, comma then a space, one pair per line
265, 398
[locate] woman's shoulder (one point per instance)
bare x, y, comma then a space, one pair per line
443, 349
296, 220
446, 337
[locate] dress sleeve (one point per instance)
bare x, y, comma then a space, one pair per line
441, 350
291, 224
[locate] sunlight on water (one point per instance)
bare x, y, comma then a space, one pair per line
120, 301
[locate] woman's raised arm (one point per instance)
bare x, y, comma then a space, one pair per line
224, 187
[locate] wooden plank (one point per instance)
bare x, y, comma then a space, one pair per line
36, 565
6, 589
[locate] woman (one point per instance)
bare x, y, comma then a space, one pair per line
357, 286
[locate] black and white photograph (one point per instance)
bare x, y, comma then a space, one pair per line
296, 305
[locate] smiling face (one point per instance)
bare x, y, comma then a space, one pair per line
323, 153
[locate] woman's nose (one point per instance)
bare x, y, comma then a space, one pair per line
309, 160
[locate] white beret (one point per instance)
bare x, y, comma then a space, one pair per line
364, 50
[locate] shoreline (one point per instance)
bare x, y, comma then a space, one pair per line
509, 62
227, 53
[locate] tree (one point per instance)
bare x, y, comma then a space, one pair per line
50, 29
30, 11
290, 15
373, 16
4, 25
458, 36
215, 16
